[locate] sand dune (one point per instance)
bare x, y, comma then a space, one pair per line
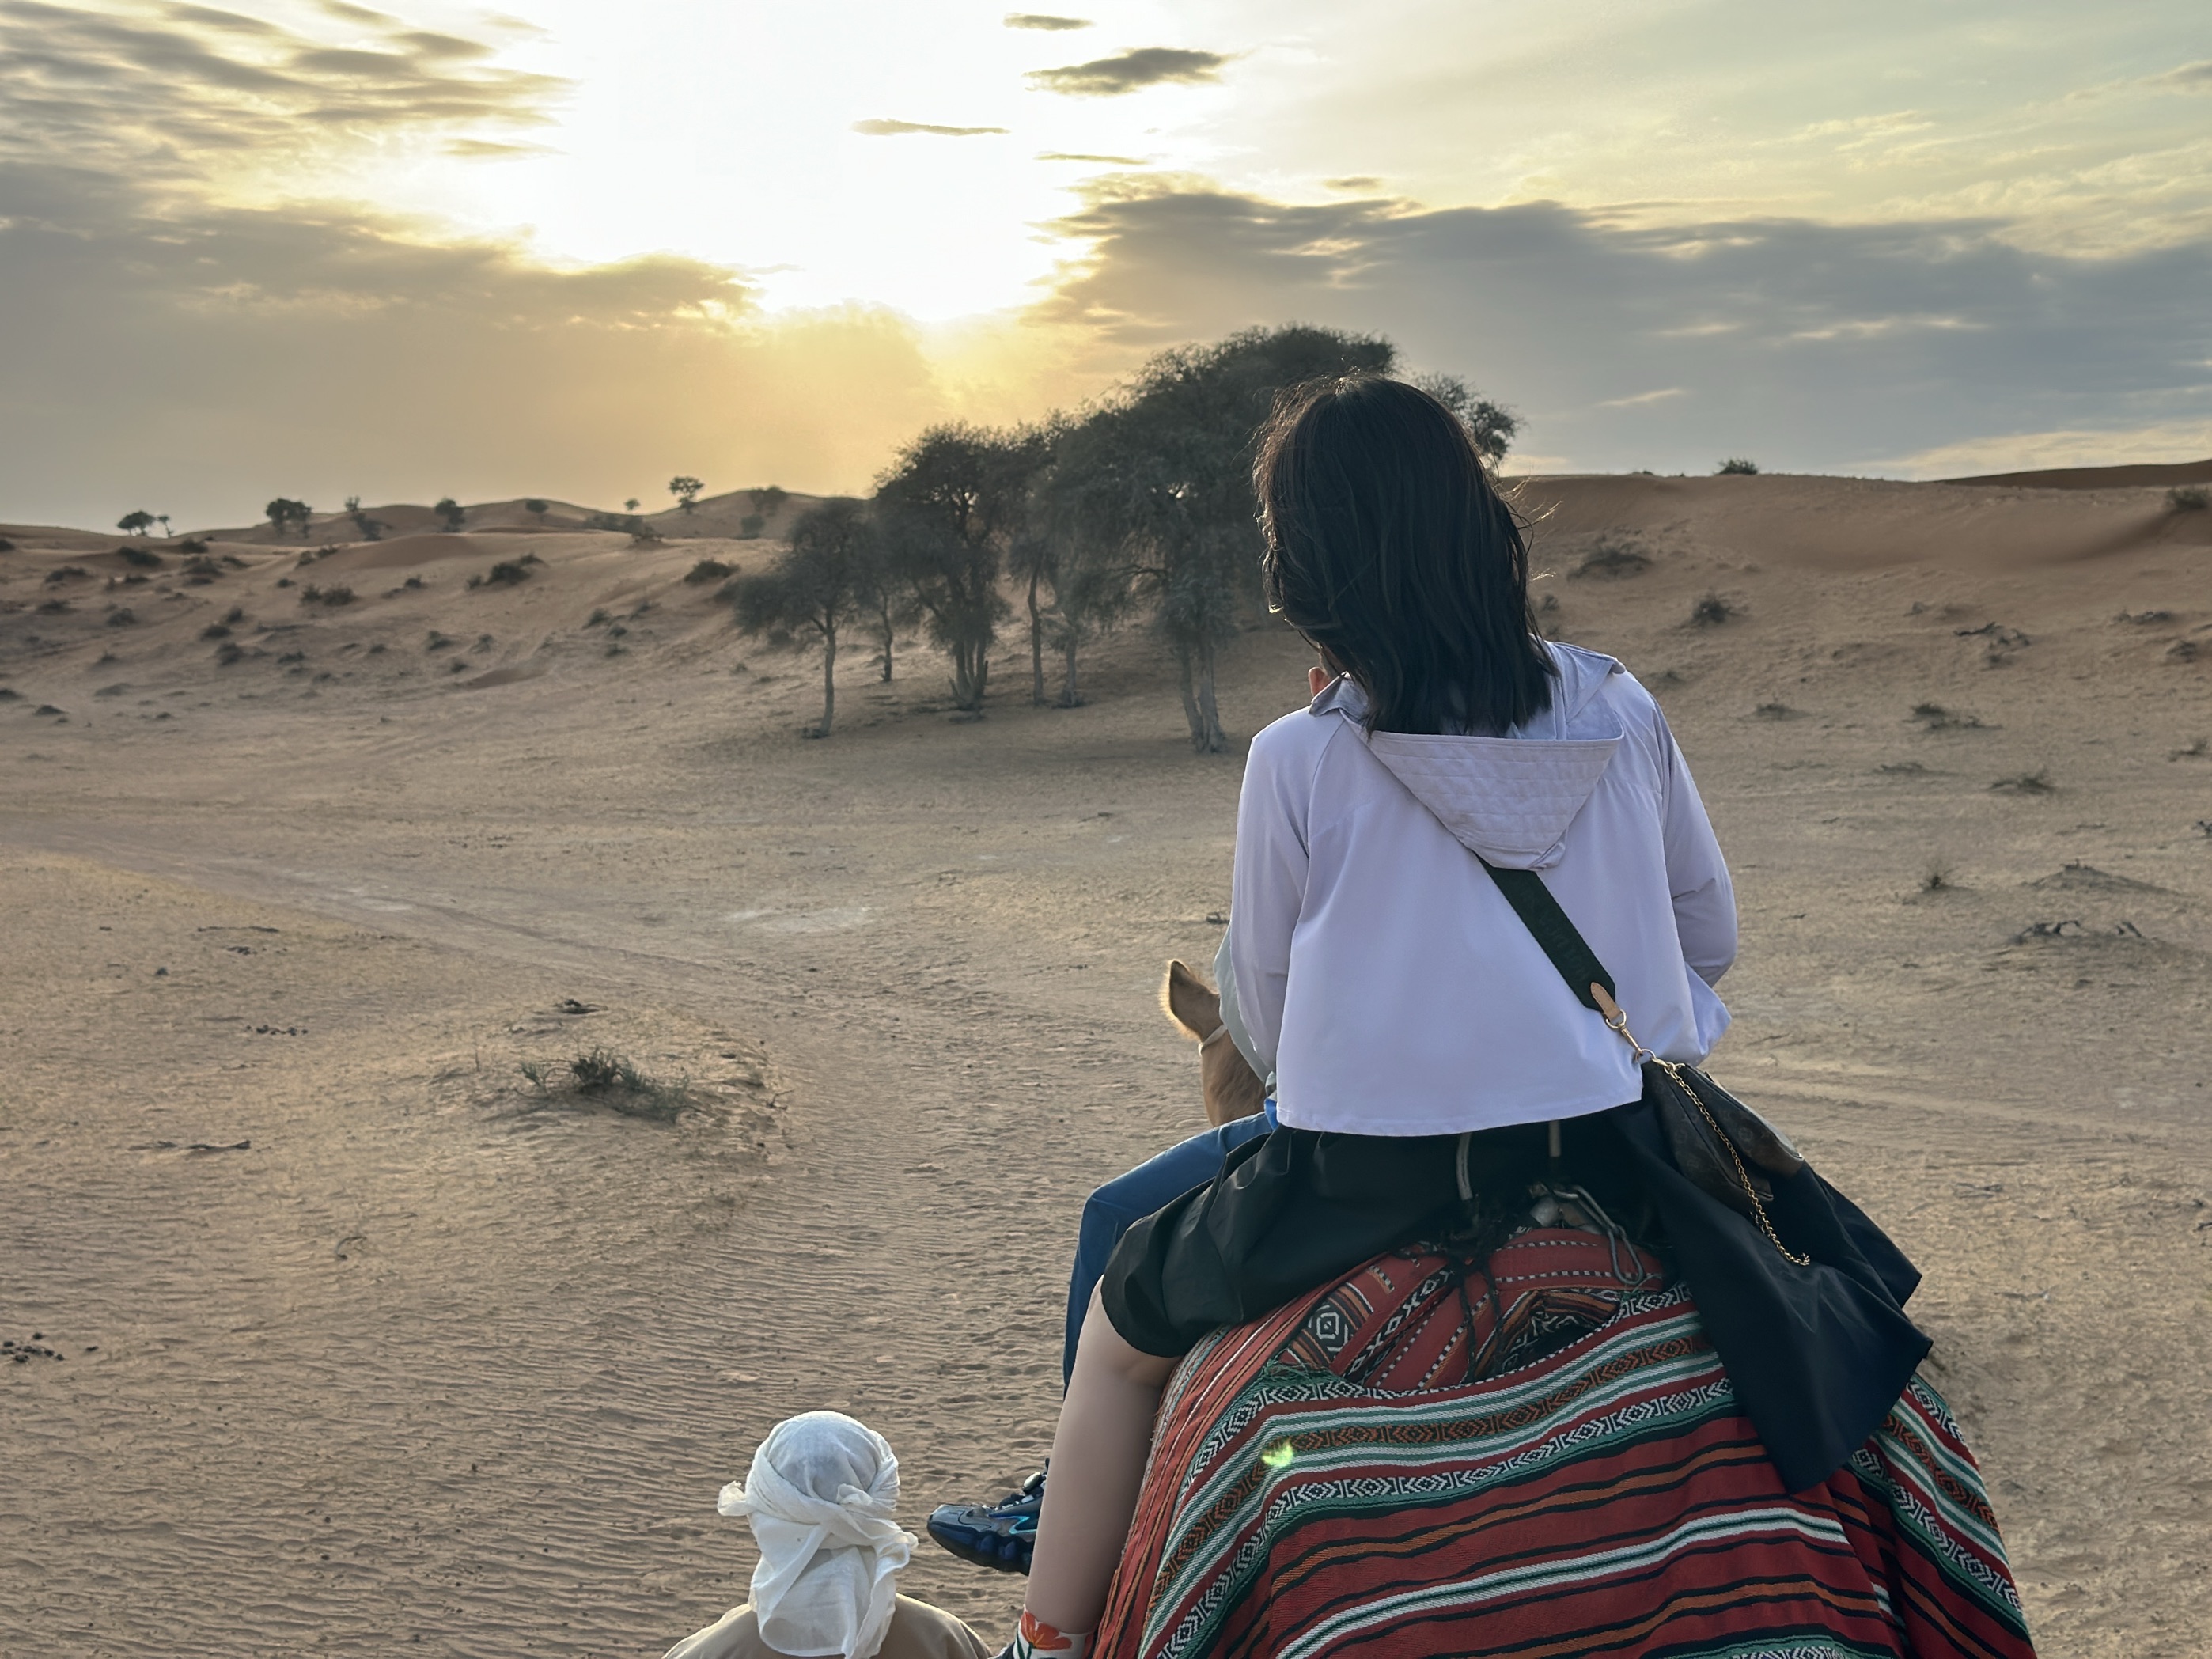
2165, 477
442, 1361
712, 516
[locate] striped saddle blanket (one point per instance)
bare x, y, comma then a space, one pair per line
1545, 1458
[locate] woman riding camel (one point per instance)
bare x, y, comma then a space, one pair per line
1460, 873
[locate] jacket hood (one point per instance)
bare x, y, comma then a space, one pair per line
1509, 799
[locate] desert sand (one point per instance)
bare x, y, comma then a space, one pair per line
423, 1359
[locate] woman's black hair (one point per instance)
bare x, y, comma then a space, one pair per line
1389, 549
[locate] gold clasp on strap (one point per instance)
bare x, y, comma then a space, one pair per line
1616, 1021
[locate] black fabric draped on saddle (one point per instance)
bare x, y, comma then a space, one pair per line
1817, 1351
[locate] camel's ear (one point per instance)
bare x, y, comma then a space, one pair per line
1186, 1001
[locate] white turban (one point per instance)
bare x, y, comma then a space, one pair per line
820, 1495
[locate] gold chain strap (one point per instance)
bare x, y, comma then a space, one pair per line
1617, 1022
1751, 1192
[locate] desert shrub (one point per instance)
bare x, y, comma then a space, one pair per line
283, 581
628, 523
216, 631
2037, 783
1735, 466
507, 573
236, 614
141, 558
192, 544
1775, 711
1711, 611
612, 1080
6, 546
1614, 557
1937, 718
596, 619
121, 616
334, 595
751, 525
67, 573
377, 649
708, 570
1938, 877
290, 658
200, 571
228, 653
2189, 498
536, 507
437, 641
53, 608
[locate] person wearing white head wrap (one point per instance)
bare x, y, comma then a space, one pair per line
820, 1497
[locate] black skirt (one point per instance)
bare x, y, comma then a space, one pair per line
1817, 1353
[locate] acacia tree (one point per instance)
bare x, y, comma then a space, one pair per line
1163, 471
828, 579
685, 489
1492, 426
137, 523
284, 510
1086, 552
952, 502
451, 513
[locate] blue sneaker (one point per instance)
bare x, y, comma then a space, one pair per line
1000, 1536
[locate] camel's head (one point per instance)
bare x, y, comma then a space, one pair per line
1232, 1090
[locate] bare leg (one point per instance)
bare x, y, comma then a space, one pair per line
1097, 1466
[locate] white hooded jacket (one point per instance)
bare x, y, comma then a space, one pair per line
1382, 977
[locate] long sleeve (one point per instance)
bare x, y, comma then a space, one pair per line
1697, 875
1267, 894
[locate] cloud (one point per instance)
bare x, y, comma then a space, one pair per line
2189, 77
169, 336
490, 149
208, 18
173, 93
1354, 181
1810, 345
1146, 66
1039, 20
1076, 156
885, 129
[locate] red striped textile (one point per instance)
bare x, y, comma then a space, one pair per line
1326, 1481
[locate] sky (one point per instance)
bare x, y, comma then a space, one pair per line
566, 247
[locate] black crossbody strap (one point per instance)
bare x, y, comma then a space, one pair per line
1570, 954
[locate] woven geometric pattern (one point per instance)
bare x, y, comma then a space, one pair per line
1606, 1497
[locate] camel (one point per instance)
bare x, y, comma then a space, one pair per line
1232, 1090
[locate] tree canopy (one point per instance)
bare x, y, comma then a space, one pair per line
1161, 475
829, 578
950, 505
